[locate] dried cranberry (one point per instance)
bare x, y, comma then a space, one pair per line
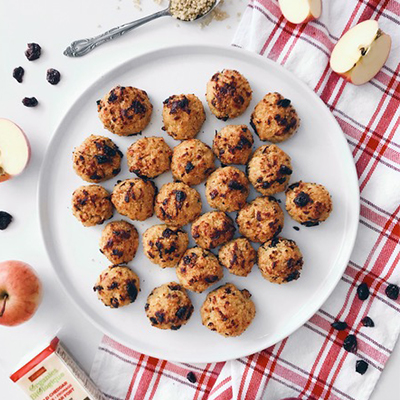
191, 377
180, 196
101, 159
368, 322
5, 220
30, 101
33, 52
175, 327
112, 97
109, 151
189, 166
339, 325
302, 199
53, 76
363, 291
296, 228
181, 313
310, 223
293, 276
361, 367
167, 232
274, 241
18, 74
284, 103
235, 185
350, 344
132, 291
392, 291
211, 278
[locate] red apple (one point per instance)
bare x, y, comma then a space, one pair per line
361, 52
20, 292
300, 11
14, 150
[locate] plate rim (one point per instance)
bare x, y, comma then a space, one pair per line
238, 53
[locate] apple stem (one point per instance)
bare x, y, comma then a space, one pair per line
3, 308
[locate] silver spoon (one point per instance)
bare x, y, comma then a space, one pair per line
83, 46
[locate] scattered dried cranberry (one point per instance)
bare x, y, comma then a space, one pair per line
284, 103
18, 74
368, 322
339, 325
189, 166
361, 367
302, 199
33, 52
180, 196
5, 220
285, 170
350, 344
363, 291
191, 377
392, 291
53, 76
30, 101
296, 228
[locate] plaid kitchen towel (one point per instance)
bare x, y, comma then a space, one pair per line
311, 363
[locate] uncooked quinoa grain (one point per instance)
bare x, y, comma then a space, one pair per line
188, 10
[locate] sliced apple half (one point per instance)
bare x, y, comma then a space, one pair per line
14, 150
361, 52
300, 11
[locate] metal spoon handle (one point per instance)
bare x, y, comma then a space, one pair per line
81, 47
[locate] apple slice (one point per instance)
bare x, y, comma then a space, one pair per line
14, 150
20, 292
300, 11
361, 52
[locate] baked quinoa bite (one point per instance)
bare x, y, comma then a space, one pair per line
117, 286
269, 170
149, 157
134, 198
238, 256
233, 144
198, 269
213, 229
260, 220
227, 189
192, 162
274, 119
228, 94
168, 306
97, 159
177, 204
91, 205
119, 242
228, 310
280, 260
125, 110
164, 245
308, 203
183, 116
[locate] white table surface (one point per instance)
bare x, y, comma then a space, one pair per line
54, 25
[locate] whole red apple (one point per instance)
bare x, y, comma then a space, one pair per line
20, 292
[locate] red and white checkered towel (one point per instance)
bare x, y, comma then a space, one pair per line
311, 363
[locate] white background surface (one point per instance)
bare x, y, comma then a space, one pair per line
54, 25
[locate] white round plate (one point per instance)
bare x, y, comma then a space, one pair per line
319, 153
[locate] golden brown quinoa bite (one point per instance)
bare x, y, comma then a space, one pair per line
134, 198
183, 116
164, 245
97, 159
233, 144
149, 157
227, 189
117, 286
125, 110
213, 229
228, 310
261, 219
308, 203
168, 306
91, 205
274, 119
228, 94
269, 170
280, 260
119, 242
177, 204
192, 162
198, 269
238, 256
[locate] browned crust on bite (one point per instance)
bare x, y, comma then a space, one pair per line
213, 229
